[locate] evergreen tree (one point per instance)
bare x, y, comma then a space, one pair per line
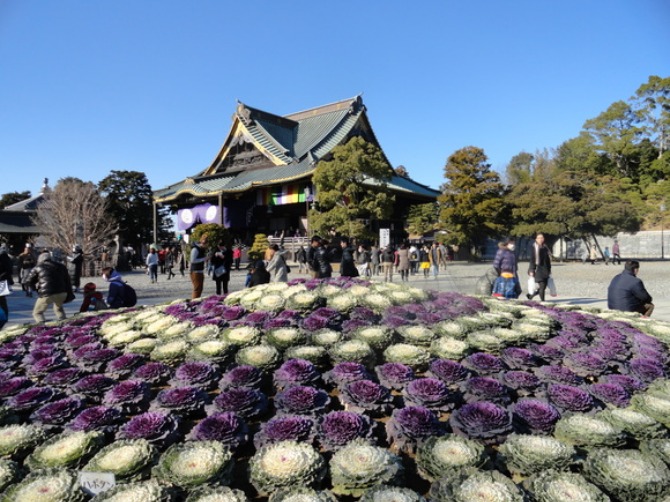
10, 198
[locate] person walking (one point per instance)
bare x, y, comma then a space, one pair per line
170, 259
606, 254
301, 259
237, 256
320, 263
375, 260
362, 258
257, 274
627, 293
116, 294
616, 254
505, 264
424, 260
413, 259
52, 282
276, 266
403, 262
197, 269
539, 267
435, 258
27, 262
221, 262
75, 263
347, 264
5, 275
152, 264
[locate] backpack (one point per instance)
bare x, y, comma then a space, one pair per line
505, 287
129, 296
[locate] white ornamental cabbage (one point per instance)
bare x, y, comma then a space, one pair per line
213, 350
302, 300
351, 350
410, 355
448, 347
485, 341
170, 352
124, 338
159, 323
203, 333
176, 330
342, 302
124, 458
378, 337
242, 336
271, 302
146, 491
418, 335
452, 329
142, 346
261, 356
441, 456
282, 338
8, 472
585, 430
18, 438
67, 449
216, 494
285, 464
46, 485
526, 454
637, 424
359, 466
472, 485
561, 486
195, 463
326, 337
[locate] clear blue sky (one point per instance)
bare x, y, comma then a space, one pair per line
90, 86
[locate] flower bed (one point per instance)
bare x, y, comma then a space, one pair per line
338, 390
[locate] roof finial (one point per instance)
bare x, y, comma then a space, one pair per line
45, 185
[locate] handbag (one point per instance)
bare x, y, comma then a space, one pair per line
532, 285
220, 270
4, 289
552, 287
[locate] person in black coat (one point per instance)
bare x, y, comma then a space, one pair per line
626, 292
258, 274
539, 267
75, 264
52, 282
347, 265
320, 262
221, 263
5, 275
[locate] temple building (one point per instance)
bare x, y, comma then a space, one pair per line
261, 179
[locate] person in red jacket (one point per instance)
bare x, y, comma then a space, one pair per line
93, 300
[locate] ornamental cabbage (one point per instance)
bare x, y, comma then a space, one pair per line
15, 440
360, 466
216, 494
132, 396
483, 363
450, 372
145, 491
68, 449
226, 427
285, 464
58, 412
409, 355
656, 407
247, 403
362, 395
535, 416
560, 486
485, 389
195, 463
378, 337
285, 428
430, 393
387, 493
526, 454
283, 338
627, 474
264, 357
301, 400
47, 485
570, 398
184, 401
153, 373
659, 447
443, 456
97, 418
351, 350
199, 374
482, 420
296, 372
315, 354
585, 430
126, 459
471, 484
394, 375
346, 372
638, 425
242, 376
338, 428
411, 425
157, 428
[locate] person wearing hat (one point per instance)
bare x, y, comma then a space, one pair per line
258, 274
75, 264
93, 300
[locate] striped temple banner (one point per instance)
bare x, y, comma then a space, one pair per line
281, 195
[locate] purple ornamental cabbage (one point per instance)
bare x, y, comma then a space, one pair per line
132, 396
585, 365
570, 398
227, 428
247, 403
76, 340
160, 429
519, 358
651, 353
14, 386
338, 428
301, 400
450, 372
94, 360
533, 416
363, 395
482, 420
483, 363
646, 370
296, 372
485, 389
46, 365
430, 393
611, 393
123, 366
313, 323
522, 381
31, 398
63, 378
58, 412
93, 386
346, 372
199, 374
558, 374
630, 383
97, 418
394, 375
411, 425
285, 428
185, 401
243, 376
548, 353
232, 312
153, 373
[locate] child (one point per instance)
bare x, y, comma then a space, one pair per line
93, 300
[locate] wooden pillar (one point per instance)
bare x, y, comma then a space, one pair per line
221, 209
155, 218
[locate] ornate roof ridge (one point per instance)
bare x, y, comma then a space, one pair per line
330, 107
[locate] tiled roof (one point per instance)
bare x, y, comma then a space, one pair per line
17, 222
29, 204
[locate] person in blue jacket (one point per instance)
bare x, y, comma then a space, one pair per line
626, 292
116, 293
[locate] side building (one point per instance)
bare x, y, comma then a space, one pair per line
261, 179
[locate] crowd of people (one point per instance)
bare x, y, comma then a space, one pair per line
55, 279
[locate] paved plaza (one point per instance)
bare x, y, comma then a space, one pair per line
577, 283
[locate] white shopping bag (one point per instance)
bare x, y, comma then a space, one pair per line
5, 290
532, 286
552, 287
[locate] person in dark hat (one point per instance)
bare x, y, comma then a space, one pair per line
259, 275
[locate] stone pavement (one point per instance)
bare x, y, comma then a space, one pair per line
587, 286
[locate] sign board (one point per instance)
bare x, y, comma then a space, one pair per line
96, 482
384, 237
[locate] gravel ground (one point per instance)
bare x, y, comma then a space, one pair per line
577, 283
